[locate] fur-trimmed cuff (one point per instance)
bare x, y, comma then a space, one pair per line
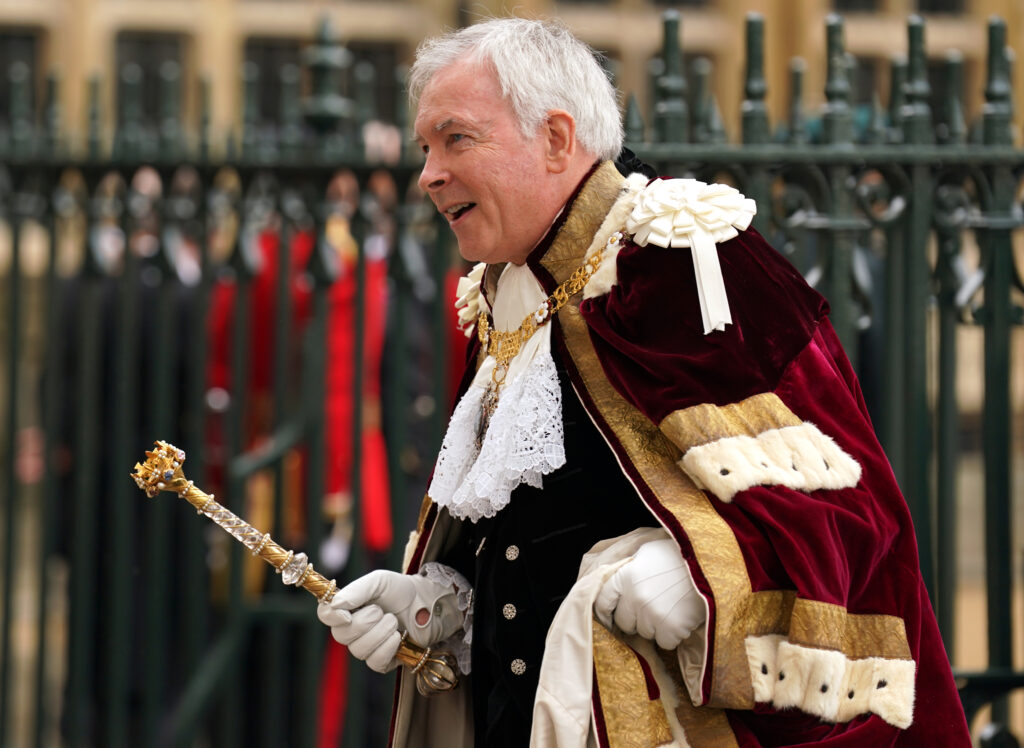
799, 457
829, 685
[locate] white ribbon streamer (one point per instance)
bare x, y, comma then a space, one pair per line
691, 213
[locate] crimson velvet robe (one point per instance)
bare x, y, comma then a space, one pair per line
753, 448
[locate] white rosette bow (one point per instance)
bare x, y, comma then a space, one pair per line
691, 213
468, 298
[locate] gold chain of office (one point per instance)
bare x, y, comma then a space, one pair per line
505, 346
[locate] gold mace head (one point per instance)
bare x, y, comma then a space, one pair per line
162, 470
437, 674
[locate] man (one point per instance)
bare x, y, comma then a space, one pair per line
647, 378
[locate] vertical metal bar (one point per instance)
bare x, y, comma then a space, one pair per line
440, 265
241, 342
11, 512
276, 642
81, 665
22, 138
892, 428
47, 533
312, 637
839, 242
195, 611
161, 345
755, 118
997, 437
124, 451
947, 419
918, 130
947, 425
396, 397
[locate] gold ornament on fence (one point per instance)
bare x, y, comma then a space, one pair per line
162, 471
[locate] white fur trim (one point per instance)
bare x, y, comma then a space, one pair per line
892, 697
606, 276
798, 457
809, 679
762, 653
858, 681
829, 685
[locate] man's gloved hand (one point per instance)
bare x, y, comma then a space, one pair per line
368, 615
652, 595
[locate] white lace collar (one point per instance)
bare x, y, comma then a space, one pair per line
524, 439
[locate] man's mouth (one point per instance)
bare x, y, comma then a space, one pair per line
454, 212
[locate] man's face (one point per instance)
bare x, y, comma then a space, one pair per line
483, 175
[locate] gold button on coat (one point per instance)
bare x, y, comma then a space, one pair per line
509, 611
512, 552
518, 666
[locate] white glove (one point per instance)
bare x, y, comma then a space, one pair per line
652, 595
366, 615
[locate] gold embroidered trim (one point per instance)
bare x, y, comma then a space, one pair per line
702, 424
828, 626
588, 212
632, 720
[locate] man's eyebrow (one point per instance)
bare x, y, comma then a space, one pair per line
443, 125
451, 122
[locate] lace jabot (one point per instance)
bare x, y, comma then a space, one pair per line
524, 439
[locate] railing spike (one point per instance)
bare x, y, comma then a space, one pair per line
634, 121
954, 126
755, 114
917, 112
997, 112
897, 98
838, 119
671, 113
797, 125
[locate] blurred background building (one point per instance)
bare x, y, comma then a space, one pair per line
213, 38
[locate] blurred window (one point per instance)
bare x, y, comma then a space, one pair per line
855, 6
18, 46
148, 50
270, 56
383, 56
940, 6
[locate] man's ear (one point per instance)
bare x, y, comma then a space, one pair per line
560, 134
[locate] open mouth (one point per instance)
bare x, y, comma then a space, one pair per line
455, 212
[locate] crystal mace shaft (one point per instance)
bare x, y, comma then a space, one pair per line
162, 471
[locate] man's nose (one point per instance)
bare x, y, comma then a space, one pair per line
434, 175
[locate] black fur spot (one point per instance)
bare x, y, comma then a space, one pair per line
882, 683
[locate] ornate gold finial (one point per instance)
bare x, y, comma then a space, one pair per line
163, 471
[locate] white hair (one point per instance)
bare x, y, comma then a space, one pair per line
540, 66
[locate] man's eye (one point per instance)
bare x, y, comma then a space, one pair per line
426, 148
455, 137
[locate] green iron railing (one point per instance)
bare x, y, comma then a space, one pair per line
878, 211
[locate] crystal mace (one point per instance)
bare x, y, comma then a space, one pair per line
162, 471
